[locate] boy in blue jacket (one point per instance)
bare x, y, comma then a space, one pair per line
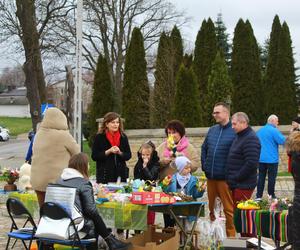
183, 182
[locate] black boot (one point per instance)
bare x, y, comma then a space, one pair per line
114, 243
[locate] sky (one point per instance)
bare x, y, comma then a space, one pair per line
260, 13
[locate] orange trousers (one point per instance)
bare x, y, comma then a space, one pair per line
219, 188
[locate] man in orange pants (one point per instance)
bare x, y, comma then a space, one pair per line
214, 154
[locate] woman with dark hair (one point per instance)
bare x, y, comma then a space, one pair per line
111, 150
293, 149
167, 151
76, 176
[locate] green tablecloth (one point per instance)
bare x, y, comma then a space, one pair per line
114, 214
270, 224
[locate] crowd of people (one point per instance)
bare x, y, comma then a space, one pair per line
234, 158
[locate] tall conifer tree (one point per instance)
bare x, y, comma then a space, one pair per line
169, 58
136, 89
161, 112
246, 73
219, 88
222, 38
280, 76
103, 97
186, 107
205, 53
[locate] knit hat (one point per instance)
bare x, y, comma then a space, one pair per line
297, 119
181, 162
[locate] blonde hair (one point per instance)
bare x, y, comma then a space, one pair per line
108, 117
146, 146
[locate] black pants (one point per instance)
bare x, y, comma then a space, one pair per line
169, 221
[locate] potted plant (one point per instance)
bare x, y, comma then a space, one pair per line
10, 176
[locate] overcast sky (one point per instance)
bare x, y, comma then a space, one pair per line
259, 12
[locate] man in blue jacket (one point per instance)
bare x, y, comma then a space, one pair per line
214, 154
269, 137
243, 159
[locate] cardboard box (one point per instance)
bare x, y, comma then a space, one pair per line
151, 198
153, 240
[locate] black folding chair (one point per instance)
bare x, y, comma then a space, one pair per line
55, 211
16, 209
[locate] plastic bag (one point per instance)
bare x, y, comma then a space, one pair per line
212, 234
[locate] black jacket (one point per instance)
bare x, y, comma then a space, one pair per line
295, 223
84, 201
109, 167
151, 171
243, 160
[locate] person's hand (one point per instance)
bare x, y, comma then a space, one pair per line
115, 150
166, 161
145, 162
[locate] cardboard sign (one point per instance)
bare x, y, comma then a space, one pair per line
151, 198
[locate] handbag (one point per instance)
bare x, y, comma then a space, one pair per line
61, 229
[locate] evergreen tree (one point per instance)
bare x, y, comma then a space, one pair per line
169, 58
222, 38
246, 73
186, 106
103, 97
136, 89
161, 112
280, 76
205, 53
176, 51
219, 88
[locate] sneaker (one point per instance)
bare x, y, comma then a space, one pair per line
258, 199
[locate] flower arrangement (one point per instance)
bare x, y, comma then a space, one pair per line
280, 204
165, 182
9, 175
171, 145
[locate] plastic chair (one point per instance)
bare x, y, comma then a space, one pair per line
16, 209
56, 212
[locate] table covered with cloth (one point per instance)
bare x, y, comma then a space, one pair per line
269, 224
114, 214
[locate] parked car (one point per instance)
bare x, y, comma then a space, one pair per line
4, 134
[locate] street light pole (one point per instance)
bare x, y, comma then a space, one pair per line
78, 76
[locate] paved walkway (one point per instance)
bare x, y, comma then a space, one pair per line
284, 188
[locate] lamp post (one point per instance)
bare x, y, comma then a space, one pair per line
78, 77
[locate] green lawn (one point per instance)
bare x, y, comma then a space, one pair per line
16, 125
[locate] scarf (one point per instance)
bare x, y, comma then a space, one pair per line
181, 147
113, 138
183, 180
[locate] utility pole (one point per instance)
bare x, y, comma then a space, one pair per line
78, 76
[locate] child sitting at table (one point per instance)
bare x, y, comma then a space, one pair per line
183, 182
147, 169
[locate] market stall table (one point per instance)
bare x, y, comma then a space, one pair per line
263, 223
193, 208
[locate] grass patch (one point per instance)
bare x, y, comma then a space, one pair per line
88, 151
284, 173
16, 125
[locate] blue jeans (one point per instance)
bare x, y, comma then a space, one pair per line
271, 169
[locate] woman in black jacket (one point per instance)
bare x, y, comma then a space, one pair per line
111, 150
76, 176
293, 149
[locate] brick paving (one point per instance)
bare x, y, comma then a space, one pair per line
284, 188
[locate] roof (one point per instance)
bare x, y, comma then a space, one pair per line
14, 97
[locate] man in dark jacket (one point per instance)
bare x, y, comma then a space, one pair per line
214, 154
243, 159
